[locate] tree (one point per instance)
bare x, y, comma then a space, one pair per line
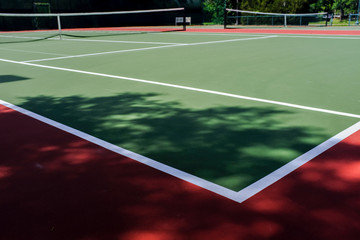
215, 9
321, 6
345, 6
277, 6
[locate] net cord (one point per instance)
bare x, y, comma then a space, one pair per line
276, 14
88, 13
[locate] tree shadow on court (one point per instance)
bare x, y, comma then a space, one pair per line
57, 186
231, 146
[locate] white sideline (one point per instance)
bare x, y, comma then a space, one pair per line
99, 53
278, 174
37, 52
190, 89
239, 197
148, 48
137, 157
320, 37
314, 36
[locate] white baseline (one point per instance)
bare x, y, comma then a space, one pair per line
240, 196
189, 88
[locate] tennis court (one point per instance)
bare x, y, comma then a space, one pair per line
229, 112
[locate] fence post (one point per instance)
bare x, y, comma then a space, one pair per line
349, 19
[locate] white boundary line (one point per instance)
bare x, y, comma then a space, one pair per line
190, 89
278, 174
21, 37
137, 157
97, 54
37, 52
232, 40
239, 197
320, 36
214, 34
150, 48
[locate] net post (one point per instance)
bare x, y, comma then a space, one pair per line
184, 20
285, 23
59, 26
225, 17
326, 19
349, 19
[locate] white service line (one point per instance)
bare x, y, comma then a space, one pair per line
37, 52
215, 34
225, 192
319, 37
190, 89
97, 54
263, 34
149, 48
280, 173
232, 40
21, 37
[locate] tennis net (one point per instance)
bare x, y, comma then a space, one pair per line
234, 17
17, 27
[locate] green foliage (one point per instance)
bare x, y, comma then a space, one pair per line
278, 6
342, 7
215, 10
321, 6
345, 6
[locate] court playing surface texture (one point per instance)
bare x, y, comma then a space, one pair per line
198, 134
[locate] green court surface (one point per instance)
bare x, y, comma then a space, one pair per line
208, 129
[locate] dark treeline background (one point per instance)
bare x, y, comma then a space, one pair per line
194, 7
200, 10
96, 5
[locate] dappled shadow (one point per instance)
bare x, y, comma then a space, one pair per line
11, 78
318, 201
57, 186
231, 146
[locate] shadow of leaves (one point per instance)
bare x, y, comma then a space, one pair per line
231, 146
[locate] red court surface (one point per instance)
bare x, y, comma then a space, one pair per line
54, 185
